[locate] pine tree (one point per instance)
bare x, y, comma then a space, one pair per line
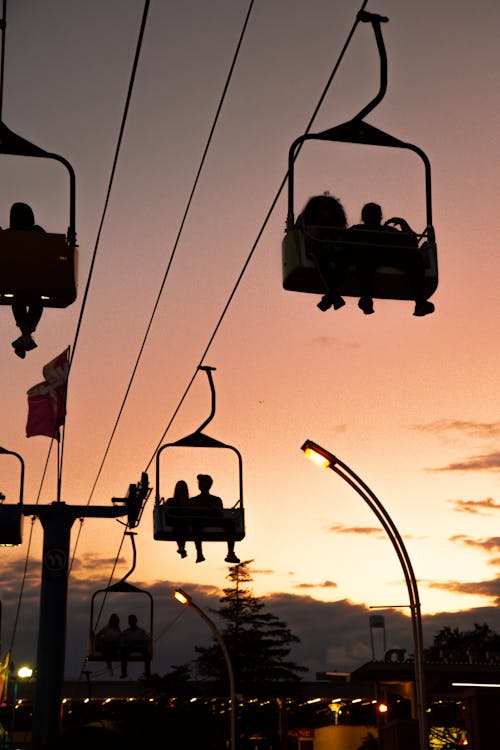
258, 642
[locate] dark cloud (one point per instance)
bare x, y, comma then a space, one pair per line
472, 429
489, 589
475, 507
338, 528
486, 462
334, 635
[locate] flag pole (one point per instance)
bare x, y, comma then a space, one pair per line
59, 464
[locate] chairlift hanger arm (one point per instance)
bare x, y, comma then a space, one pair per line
357, 130
15, 145
208, 371
363, 17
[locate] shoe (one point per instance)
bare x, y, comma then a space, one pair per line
20, 351
182, 553
19, 347
366, 304
231, 558
330, 300
338, 302
324, 304
200, 558
28, 342
123, 676
423, 308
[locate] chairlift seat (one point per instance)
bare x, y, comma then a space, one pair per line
11, 525
300, 273
134, 650
171, 524
37, 265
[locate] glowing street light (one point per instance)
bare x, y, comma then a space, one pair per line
185, 599
24, 673
323, 457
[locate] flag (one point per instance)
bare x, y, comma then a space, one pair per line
4, 678
47, 400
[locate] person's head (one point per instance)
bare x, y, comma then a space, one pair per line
181, 491
21, 216
324, 210
132, 621
204, 482
114, 622
371, 214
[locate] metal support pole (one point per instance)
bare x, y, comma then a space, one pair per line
324, 458
57, 520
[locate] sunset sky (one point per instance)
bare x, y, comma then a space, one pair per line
410, 404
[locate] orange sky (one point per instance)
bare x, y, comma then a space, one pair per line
411, 404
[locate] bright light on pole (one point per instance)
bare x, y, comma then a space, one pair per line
24, 673
185, 599
323, 457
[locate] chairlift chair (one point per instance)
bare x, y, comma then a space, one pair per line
197, 524
300, 244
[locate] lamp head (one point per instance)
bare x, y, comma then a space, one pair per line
318, 455
24, 673
182, 597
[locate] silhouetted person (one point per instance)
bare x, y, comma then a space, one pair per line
135, 640
27, 311
179, 502
384, 245
108, 641
211, 505
323, 222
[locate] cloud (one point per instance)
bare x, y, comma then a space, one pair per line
475, 507
363, 530
331, 341
262, 572
489, 544
486, 462
472, 429
333, 635
490, 589
324, 585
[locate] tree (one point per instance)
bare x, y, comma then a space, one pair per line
468, 646
258, 642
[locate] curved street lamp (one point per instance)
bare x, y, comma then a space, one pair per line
324, 458
185, 599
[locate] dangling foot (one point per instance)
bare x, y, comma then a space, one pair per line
182, 552
19, 347
423, 308
28, 342
366, 304
231, 558
330, 300
200, 558
324, 304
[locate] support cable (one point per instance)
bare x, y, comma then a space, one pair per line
108, 194
179, 233
261, 230
26, 561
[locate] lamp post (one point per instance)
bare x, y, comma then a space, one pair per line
324, 458
185, 599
